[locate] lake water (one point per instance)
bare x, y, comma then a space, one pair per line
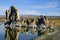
22, 36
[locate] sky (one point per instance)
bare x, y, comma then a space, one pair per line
32, 7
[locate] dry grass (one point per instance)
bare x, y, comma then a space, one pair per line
56, 22
2, 20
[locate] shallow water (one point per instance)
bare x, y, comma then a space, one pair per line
2, 33
30, 36
22, 36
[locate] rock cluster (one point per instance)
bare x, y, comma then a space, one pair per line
12, 15
13, 18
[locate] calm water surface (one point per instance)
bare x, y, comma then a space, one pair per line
22, 36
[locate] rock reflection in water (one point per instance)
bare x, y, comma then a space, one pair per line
12, 33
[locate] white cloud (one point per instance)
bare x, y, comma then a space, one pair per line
2, 10
47, 5
28, 12
52, 14
33, 12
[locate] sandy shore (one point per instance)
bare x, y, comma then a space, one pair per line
50, 36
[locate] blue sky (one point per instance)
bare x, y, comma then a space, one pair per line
32, 7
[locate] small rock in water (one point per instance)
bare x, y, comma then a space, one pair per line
0, 24
26, 33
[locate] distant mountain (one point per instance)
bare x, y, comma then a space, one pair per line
36, 16
32, 16
2, 16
